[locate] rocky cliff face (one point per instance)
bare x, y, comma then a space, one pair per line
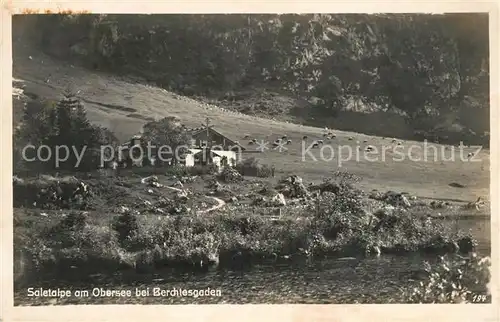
422, 67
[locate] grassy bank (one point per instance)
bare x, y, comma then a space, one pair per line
80, 243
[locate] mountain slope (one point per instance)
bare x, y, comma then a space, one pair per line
124, 105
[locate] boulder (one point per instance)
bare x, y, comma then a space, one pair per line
404, 202
292, 187
187, 179
279, 200
122, 210
396, 199
376, 195
149, 179
181, 196
216, 186
229, 174
159, 211
163, 202
384, 212
156, 184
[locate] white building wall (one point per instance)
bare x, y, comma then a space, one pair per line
189, 160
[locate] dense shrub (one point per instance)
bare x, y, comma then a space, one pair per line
74, 221
125, 225
59, 124
47, 192
253, 167
176, 170
198, 170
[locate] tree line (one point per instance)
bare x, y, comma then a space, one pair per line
65, 124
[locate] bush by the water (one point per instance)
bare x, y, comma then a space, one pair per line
454, 280
338, 225
125, 225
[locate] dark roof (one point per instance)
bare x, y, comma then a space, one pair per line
195, 131
192, 132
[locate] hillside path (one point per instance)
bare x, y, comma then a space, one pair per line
220, 203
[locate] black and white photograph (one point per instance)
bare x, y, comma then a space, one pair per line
251, 158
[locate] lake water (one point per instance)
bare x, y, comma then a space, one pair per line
348, 280
364, 279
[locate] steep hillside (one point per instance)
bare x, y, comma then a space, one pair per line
320, 70
124, 105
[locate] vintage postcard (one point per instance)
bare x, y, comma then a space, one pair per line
317, 156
